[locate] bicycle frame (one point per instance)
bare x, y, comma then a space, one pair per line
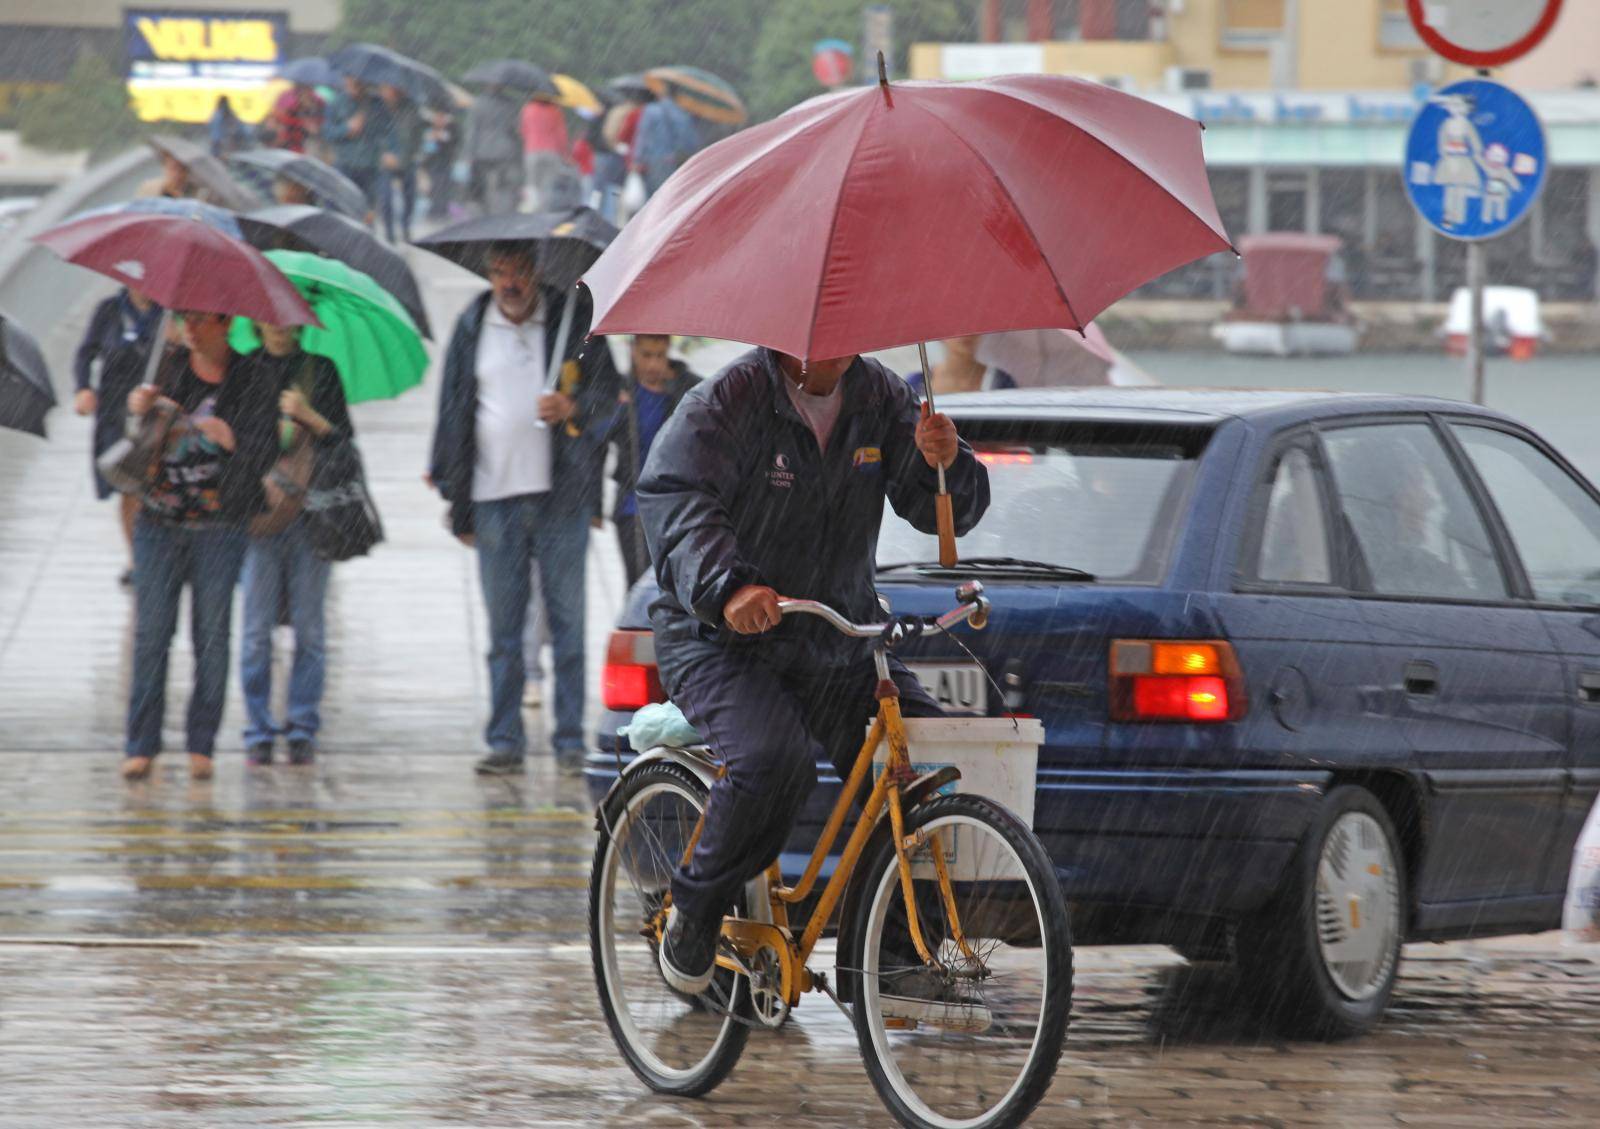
748, 937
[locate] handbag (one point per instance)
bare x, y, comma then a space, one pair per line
130, 465
286, 483
341, 519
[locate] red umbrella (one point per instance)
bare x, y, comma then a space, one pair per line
182, 264
886, 215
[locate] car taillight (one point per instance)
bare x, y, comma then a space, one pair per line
1175, 680
630, 679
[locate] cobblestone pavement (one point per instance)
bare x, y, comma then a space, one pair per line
385, 939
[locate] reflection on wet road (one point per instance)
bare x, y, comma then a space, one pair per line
388, 941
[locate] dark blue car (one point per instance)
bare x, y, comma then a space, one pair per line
1319, 673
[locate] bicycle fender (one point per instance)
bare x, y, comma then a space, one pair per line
696, 758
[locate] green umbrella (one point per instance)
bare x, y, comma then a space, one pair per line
365, 332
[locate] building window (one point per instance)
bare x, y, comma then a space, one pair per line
1251, 23
1394, 27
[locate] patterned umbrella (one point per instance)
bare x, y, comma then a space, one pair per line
700, 92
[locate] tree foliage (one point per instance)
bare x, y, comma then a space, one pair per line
763, 47
89, 110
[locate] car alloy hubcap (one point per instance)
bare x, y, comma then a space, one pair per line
1358, 905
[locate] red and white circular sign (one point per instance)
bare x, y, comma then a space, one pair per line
1483, 33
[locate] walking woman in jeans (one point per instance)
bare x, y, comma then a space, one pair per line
191, 530
280, 570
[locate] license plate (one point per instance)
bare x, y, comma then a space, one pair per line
957, 687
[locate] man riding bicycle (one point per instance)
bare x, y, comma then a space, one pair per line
770, 479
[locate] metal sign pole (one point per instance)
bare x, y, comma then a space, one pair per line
1475, 273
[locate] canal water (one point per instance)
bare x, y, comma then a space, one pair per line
1558, 395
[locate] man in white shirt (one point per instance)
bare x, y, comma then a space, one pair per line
516, 456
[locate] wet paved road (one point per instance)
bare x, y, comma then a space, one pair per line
387, 940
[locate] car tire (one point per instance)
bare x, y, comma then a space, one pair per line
1323, 956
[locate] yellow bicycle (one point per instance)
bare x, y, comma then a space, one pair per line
952, 947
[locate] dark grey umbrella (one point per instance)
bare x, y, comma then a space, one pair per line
208, 173
630, 87
567, 242
383, 67
298, 227
513, 74
329, 187
26, 392
310, 71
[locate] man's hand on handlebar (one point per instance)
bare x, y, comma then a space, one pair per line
752, 610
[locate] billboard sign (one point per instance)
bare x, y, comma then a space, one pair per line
180, 61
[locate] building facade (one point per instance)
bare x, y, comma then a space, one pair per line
1306, 104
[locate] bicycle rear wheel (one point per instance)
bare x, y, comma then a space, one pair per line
971, 1042
675, 1043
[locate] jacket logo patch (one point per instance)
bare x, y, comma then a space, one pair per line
866, 457
780, 475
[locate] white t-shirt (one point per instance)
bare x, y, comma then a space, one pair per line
821, 412
514, 444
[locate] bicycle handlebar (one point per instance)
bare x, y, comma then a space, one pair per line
973, 607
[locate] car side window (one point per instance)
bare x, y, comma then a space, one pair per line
1414, 527
1553, 520
1294, 536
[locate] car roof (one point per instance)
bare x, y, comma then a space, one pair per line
1198, 406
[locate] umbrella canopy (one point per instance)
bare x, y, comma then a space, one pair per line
310, 71
365, 331
913, 213
514, 74
574, 95
300, 227
567, 242
329, 187
209, 214
383, 67
181, 264
630, 86
1050, 358
209, 174
26, 392
700, 92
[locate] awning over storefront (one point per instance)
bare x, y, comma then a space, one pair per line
1340, 144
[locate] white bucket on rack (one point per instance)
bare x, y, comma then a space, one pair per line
998, 758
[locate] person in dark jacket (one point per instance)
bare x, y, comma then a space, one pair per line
120, 334
771, 479
191, 529
520, 434
658, 386
281, 571
398, 162
357, 125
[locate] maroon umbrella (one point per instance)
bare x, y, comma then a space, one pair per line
182, 264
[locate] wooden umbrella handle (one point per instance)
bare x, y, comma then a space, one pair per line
947, 529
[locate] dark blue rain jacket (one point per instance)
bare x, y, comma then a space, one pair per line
736, 491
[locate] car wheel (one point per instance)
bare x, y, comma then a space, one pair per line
1325, 952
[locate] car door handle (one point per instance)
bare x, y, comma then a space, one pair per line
1422, 679
1589, 686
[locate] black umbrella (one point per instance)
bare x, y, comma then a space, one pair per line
568, 241
630, 87
329, 187
381, 66
298, 227
514, 75
26, 392
211, 175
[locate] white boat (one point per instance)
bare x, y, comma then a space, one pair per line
1287, 338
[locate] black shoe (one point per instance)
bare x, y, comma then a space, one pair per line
500, 764
302, 750
259, 754
688, 953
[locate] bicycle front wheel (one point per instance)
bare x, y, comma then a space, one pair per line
676, 1044
971, 1040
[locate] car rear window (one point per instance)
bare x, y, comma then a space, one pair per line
1101, 497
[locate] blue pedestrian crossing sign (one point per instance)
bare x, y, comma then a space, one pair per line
1475, 159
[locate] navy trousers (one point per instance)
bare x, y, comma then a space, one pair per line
770, 726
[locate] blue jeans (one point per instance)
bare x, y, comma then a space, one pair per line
514, 534
165, 558
281, 571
